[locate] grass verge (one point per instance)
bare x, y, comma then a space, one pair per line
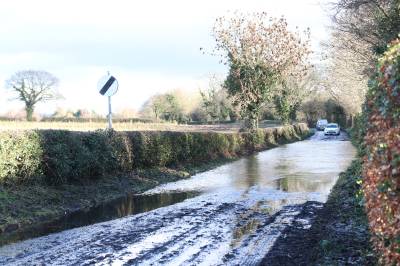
341, 226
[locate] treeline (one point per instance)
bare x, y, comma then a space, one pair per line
203, 106
211, 105
215, 106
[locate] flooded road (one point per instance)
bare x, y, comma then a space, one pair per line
233, 215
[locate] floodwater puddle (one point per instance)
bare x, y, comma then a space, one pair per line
309, 168
121, 207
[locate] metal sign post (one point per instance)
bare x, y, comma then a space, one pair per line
108, 86
109, 113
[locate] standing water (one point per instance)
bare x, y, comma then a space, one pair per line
234, 215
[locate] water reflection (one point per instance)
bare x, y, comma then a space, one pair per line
300, 184
242, 230
128, 205
307, 166
301, 167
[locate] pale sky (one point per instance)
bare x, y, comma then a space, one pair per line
150, 46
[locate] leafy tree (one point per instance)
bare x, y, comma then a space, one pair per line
290, 95
33, 86
216, 102
260, 52
173, 111
313, 109
165, 106
158, 105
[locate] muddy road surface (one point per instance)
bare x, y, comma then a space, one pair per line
234, 218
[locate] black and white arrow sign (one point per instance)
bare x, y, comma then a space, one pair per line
107, 85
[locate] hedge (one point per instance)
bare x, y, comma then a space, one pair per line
381, 167
59, 156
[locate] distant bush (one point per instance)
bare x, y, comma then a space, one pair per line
4, 118
382, 160
60, 156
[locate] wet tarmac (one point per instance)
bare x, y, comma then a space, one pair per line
234, 216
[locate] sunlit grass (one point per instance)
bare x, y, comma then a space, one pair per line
84, 126
124, 126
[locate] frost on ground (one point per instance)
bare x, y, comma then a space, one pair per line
202, 230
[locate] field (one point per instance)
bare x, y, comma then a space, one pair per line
128, 126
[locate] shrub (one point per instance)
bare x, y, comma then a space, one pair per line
381, 169
358, 132
121, 149
20, 156
69, 155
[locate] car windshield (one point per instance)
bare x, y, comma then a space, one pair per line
332, 126
322, 122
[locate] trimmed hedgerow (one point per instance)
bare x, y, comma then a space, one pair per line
20, 156
69, 155
381, 169
59, 156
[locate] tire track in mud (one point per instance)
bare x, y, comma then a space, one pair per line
194, 230
191, 236
196, 245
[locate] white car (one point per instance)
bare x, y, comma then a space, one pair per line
332, 129
321, 124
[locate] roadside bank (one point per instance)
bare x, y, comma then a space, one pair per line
339, 233
55, 189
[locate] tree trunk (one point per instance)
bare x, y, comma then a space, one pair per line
251, 122
286, 121
29, 112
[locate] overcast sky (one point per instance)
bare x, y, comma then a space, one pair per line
149, 46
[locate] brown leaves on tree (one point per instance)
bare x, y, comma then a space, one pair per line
261, 52
382, 161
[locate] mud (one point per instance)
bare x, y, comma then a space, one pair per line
241, 211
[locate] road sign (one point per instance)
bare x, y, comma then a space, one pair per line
108, 86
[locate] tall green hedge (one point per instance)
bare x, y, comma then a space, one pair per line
59, 156
382, 156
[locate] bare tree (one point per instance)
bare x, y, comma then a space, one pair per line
367, 23
361, 32
346, 72
32, 87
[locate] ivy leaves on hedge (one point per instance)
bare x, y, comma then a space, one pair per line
382, 160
